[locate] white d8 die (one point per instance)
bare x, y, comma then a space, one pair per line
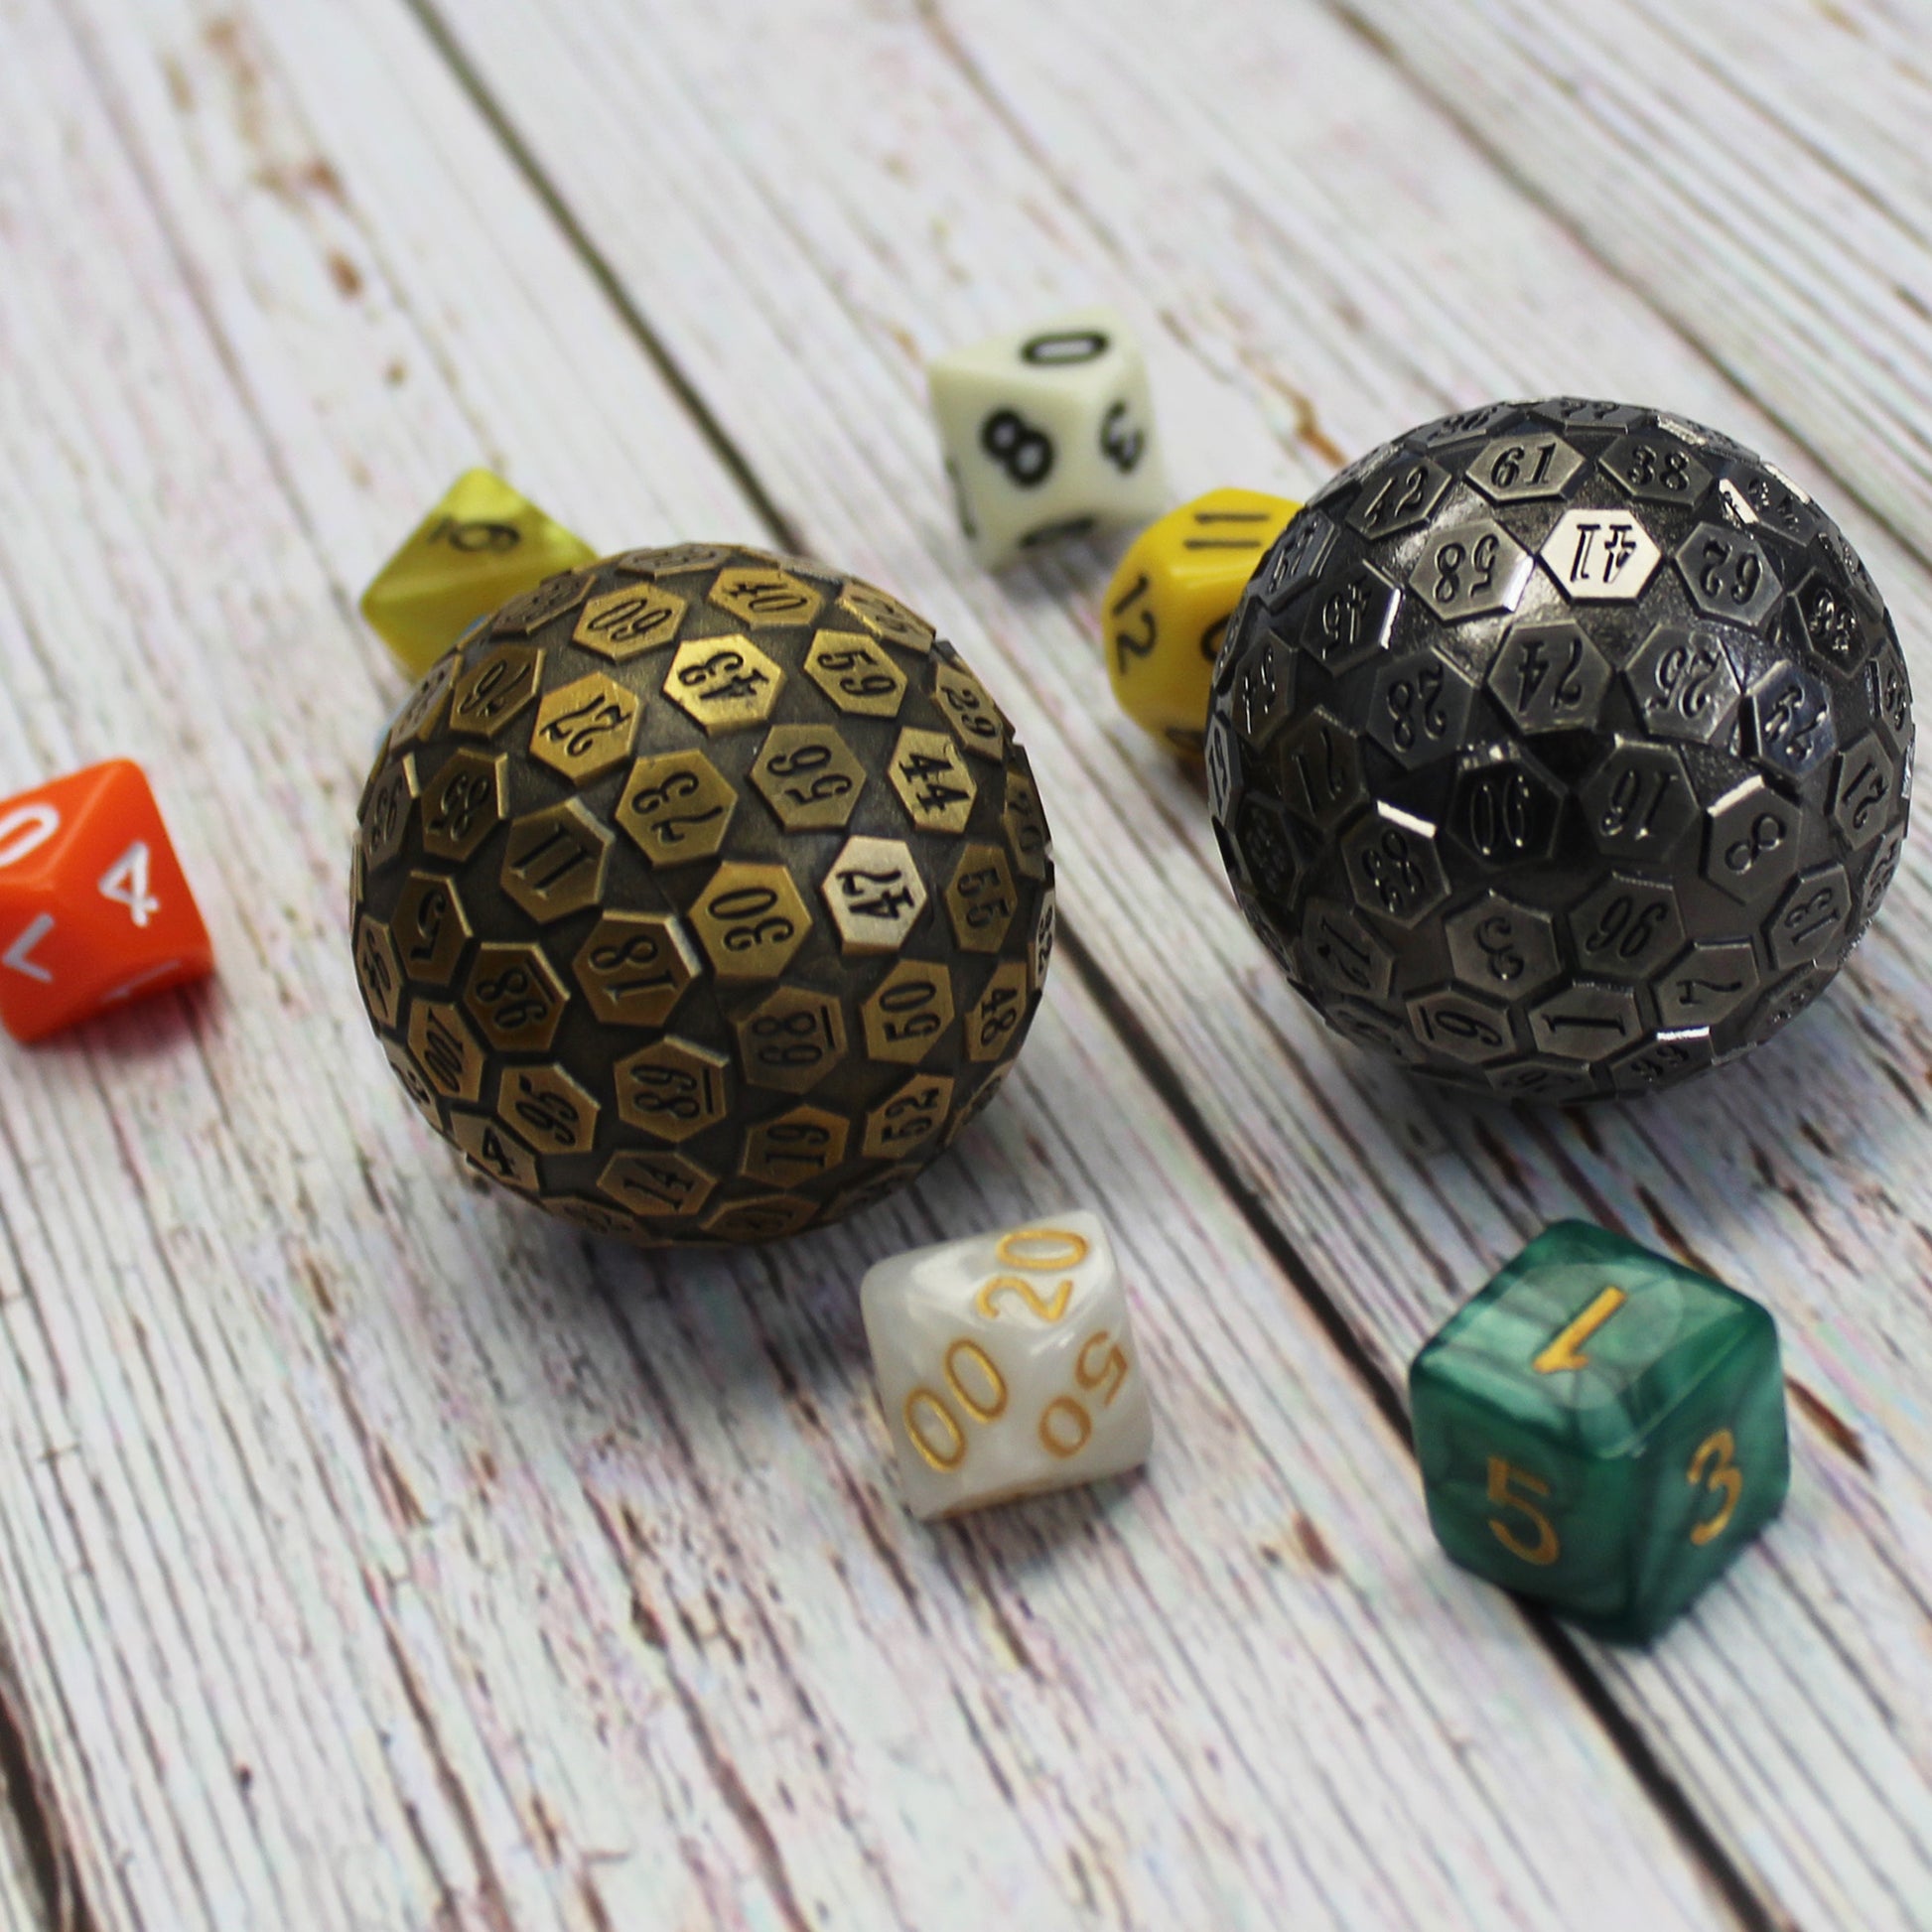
1007, 1365
1049, 433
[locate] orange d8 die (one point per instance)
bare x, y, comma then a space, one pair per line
94, 907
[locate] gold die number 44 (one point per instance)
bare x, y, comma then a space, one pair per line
1169, 602
481, 546
1007, 1365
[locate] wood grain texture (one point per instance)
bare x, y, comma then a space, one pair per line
373, 1554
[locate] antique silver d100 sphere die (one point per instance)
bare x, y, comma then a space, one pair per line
1561, 749
701, 895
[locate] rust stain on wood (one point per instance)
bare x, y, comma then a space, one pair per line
1829, 1422
1314, 1546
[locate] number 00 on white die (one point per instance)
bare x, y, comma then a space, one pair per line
1007, 1365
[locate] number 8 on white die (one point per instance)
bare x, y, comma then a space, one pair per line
1007, 1365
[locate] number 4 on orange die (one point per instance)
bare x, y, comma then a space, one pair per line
94, 909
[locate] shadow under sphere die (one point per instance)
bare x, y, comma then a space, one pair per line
1561, 749
701, 895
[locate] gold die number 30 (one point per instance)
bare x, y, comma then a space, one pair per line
481, 546
1007, 1365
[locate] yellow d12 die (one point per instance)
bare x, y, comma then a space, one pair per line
1171, 600
481, 546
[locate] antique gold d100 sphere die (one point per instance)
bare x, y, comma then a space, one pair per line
1561, 749
701, 895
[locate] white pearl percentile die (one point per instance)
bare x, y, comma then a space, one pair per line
1007, 1365
1049, 433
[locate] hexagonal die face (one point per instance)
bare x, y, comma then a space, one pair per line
414, 1083
1879, 877
1517, 469
1549, 677
1791, 720
797, 1145
1626, 929
424, 705
1638, 801
430, 928
1405, 495
1583, 412
1295, 559
1601, 556
764, 1217
980, 899
933, 781
1269, 852
463, 804
1891, 693
554, 862
876, 894
446, 1051
900, 1126
1352, 618
1706, 983
750, 920
635, 966
1321, 770
1506, 811
377, 972
1829, 624
810, 777
1264, 688
386, 816
1024, 824
885, 617
656, 1186
1464, 1028
1039, 948
1810, 918
1394, 867
623, 624
765, 596
971, 712
1727, 574
673, 1090
790, 1040
497, 1151
676, 807
535, 607
1419, 708
494, 689
1585, 1022
599, 1218
857, 673
1370, 1026
515, 998
1544, 1083
1862, 791
1341, 949
585, 727
1219, 756
1502, 949
903, 1016
1470, 570
1750, 841
1464, 426
1685, 683
548, 1108
1662, 1059
726, 685
1656, 468
1000, 1008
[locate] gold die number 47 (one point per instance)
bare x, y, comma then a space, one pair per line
1007, 1365
481, 546
1168, 606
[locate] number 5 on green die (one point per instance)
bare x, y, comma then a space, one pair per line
1602, 1428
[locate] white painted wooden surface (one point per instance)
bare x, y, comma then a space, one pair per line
375, 1555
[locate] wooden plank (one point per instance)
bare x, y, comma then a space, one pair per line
1306, 225
378, 1554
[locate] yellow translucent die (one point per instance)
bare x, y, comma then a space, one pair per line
481, 546
1171, 600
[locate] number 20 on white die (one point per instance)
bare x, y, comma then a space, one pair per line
1007, 1365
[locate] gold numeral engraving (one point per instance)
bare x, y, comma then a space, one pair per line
1545, 1549
1716, 1449
1565, 1350
927, 1408
987, 1300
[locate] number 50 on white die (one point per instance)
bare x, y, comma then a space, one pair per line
1007, 1365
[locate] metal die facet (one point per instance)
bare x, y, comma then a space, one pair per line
673, 1088
981, 901
496, 1150
855, 672
554, 862
548, 1107
463, 804
750, 921
909, 1119
724, 683
933, 781
623, 624
810, 777
876, 894
676, 808
585, 727
515, 998
908, 1011
758, 596
797, 1145
635, 966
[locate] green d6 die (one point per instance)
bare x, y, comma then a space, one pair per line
1602, 1428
